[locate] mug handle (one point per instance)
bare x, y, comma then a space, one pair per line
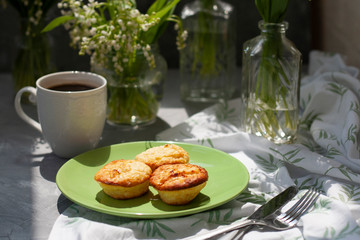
21, 112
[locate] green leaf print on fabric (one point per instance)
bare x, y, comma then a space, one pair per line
355, 108
74, 212
322, 206
153, 228
337, 89
309, 183
185, 134
206, 140
217, 216
332, 152
352, 134
331, 232
304, 102
289, 156
326, 135
228, 215
344, 170
351, 192
312, 146
269, 164
247, 196
223, 112
307, 120
148, 145
116, 220
74, 208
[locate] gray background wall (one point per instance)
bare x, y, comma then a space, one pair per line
247, 17
336, 28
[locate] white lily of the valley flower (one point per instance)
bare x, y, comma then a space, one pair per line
118, 37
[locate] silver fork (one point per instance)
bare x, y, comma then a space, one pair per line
292, 216
276, 220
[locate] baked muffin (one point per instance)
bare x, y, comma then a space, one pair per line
166, 154
124, 179
178, 184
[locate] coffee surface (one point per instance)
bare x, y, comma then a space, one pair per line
74, 87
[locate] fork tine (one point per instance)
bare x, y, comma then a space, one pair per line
299, 202
302, 205
311, 200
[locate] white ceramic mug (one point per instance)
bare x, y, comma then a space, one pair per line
71, 121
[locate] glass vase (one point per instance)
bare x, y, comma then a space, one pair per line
207, 63
33, 55
135, 94
270, 84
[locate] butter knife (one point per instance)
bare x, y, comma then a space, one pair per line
268, 208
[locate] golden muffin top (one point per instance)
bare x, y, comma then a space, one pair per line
178, 176
166, 154
125, 173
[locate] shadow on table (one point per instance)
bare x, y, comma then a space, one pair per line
118, 134
63, 203
194, 107
50, 163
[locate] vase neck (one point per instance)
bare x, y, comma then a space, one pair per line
278, 29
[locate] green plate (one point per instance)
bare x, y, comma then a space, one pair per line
227, 178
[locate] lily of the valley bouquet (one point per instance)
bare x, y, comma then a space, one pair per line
119, 38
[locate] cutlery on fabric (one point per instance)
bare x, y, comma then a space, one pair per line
276, 220
291, 216
270, 207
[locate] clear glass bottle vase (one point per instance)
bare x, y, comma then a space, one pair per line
207, 63
270, 84
33, 55
135, 95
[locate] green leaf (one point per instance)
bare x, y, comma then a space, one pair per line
74, 207
337, 89
346, 231
57, 22
169, 7
156, 6
352, 131
268, 164
247, 196
352, 192
289, 156
217, 214
195, 223
165, 227
272, 11
228, 215
224, 112
163, 9
355, 108
307, 120
208, 140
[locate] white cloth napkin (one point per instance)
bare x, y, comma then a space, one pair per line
326, 156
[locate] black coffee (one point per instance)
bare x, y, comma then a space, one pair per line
74, 87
